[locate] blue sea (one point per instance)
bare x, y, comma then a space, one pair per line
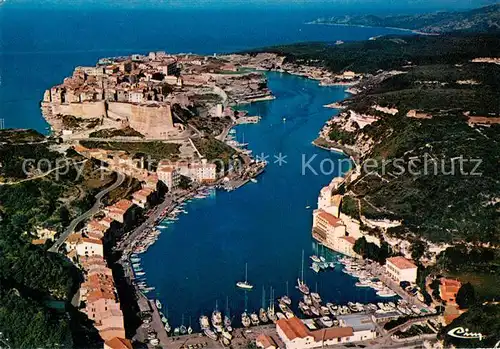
198, 260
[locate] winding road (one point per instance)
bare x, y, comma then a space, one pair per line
93, 210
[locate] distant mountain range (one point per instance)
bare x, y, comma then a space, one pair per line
483, 19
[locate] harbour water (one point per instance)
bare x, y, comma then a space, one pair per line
198, 259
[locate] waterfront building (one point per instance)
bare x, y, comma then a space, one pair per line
169, 176
120, 211
331, 232
345, 245
266, 342
448, 290
385, 316
295, 335
363, 326
89, 247
142, 197
401, 269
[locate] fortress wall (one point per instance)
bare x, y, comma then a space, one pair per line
150, 120
80, 110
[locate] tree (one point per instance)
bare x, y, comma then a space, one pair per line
417, 250
466, 296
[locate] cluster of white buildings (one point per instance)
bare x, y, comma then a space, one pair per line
200, 172
328, 228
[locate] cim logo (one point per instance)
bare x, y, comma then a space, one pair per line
463, 333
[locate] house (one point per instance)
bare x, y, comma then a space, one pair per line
119, 211
265, 342
142, 197
169, 176
448, 290
96, 229
327, 229
346, 246
401, 269
295, 335
89, 247
117, 343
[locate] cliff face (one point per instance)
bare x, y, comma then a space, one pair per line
151, 120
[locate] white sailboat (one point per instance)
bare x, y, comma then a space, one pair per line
300, 282
245, 284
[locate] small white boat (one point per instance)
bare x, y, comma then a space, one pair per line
315, 258
245, 284
326, 321
315, 267
158, 303
245, 320
210, 334
253, 180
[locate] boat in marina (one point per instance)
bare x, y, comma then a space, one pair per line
254, 319
307, 299
315, 267
286, 300
253, 180
210, 334
326, 321
140, 273
280, 315
314, 310
331, 307
324, 311
189, 330
331, 265
315, 258
217, 318
315, 296
158, 304
386, 293
245, 320
263, 315
167, 327
227, 317
177, 331
204, 323
271, 314
227, 335
245, 284
322, 259
300, 282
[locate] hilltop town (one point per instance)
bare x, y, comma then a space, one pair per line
139, 93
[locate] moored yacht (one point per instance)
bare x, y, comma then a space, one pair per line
204, 323
245, 320
210, 334
245, 284
315, 267
254, 319
263, 316
326, 321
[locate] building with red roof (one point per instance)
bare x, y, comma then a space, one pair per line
401, 269
296, 335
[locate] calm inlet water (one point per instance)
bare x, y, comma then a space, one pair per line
198, 260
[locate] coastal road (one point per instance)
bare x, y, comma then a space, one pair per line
93, 210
